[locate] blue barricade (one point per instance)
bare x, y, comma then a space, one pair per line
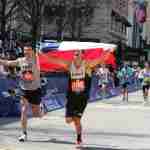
53, 93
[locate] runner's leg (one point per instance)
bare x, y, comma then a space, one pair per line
24, 109
78, 128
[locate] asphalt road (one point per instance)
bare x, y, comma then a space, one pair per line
107, 125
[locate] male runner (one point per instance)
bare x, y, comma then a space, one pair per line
124, 75
103, 75
30, 85
146, 81
79, 71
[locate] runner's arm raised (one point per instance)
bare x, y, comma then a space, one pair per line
56, 60
93, 63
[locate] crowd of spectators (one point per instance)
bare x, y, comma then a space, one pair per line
115, 76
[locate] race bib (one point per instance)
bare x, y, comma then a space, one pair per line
28, 76
147, 80
78, 85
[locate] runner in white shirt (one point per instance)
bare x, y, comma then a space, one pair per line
30, 84
103, 75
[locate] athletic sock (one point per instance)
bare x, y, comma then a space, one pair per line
25, 131
79, 137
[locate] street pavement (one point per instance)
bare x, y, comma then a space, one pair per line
107, 125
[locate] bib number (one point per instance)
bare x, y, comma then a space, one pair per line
78, 85
27, 76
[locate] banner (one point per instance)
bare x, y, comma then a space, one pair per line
54, 93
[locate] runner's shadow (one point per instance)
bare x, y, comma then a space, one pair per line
61, 142
55, 141
83, 147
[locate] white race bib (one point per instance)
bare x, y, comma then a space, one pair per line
78, 85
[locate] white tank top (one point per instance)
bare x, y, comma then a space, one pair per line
103, 74
29, 74
77, 73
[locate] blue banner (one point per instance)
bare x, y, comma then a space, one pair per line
54, 93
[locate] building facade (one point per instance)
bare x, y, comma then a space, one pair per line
137, 33
147, 31
108, 24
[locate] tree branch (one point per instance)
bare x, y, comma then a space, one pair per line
23, 7
12, 10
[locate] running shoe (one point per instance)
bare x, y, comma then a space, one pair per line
43, 110
79, 142
23, 138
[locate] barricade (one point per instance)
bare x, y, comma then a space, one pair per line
54, 93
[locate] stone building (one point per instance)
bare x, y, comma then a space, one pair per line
109, 22
147, 32
139, 32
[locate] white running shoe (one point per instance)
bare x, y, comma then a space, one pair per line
23, 138
43, 110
